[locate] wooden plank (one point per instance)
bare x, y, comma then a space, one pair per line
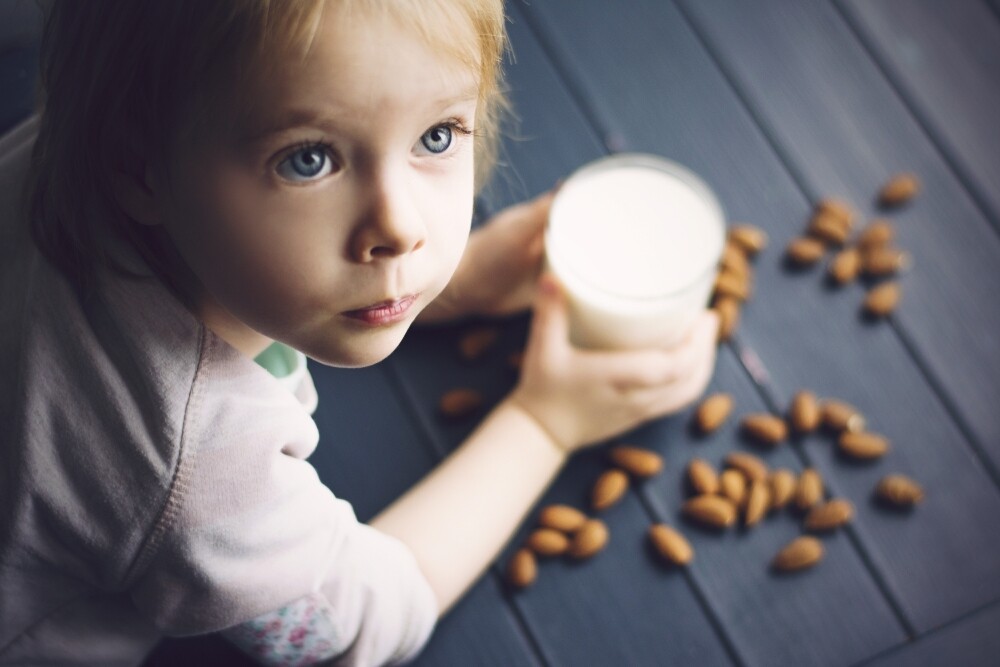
842, 130
945, 60
684, 108
971, 642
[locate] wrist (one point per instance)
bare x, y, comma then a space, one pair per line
519, 405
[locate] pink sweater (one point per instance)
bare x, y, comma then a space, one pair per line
153, 480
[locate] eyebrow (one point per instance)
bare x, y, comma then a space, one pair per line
293, 118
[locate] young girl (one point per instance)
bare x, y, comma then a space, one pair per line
213, 178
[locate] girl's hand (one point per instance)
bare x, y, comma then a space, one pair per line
581, 397
499, 270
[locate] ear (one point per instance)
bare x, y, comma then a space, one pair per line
136, 198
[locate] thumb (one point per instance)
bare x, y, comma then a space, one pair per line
550, 324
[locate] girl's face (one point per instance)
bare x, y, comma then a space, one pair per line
331, 199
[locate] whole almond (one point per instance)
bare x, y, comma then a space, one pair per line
828, 228
702, 476
899, 491
730, 284
728, 310
515, 359
591, 538
841, 416
809, 489
882, 300
562, 517
608, 489
522, 570
670, 544
845, 266
879, 232
548, 542
838, 209
734, 259
885, 260
636, 461
804, 251
782, 483
475, 342
831, 514
750, 238
714, 511
752, 467
800, 553
900, 189
713, 412
460, 403
804, 413
758, 502
765, 428
863, 445
733, 485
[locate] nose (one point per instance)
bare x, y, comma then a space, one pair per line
391, 224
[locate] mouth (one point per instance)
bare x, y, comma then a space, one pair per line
384, 312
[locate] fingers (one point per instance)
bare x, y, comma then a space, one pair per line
549, 333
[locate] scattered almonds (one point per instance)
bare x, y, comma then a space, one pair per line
800, 553
728, 310
636, 461
829, 229
804, 250
591, 538
882, 300
862, 445
839, 209
475, 342
608, 489
845, 266
714, 511
713, 412
562, 517
900, 189
670, 544
840, 416
730, 284
548, 542
460, 403
748, 237
522, 570
899, 491
878, 233
758, 502
752, 467
765, 428
885, 260
782, 483
831, 514
809, 489
733, 485
702, 477
804, 413
734, 260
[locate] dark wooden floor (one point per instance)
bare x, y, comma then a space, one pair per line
776, 103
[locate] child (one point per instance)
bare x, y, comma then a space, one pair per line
210, 178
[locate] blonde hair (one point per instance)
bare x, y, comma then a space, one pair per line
119, 77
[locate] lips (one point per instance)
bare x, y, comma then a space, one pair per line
384, 312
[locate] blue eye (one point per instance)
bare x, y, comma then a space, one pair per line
306, 164
437, 139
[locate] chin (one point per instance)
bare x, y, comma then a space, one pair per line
357, 351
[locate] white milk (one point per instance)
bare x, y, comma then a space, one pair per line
635, 240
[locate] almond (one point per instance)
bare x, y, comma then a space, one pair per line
475, 342
733, 485
845, 266
862, 445
548, 542
670, 544
591, 538
882, 300
831, 514
522, 570
900, 189
608, 489
899, 491
750, 238
752, 467
804, 251
828, 228
702, 476
804, 413
878, 233
837, 209
713, 412
765, 428
728, 310
728, 283
714, 511
562, 517
840, 416
800, 553
460, 403
735, 260
782, 483
758, 502
885, 260
809, 489
515, 359
638, 462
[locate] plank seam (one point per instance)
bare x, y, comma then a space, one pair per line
939, 143
788, 163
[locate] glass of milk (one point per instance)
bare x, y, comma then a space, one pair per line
635, 240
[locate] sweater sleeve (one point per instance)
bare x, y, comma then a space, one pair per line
249, 529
